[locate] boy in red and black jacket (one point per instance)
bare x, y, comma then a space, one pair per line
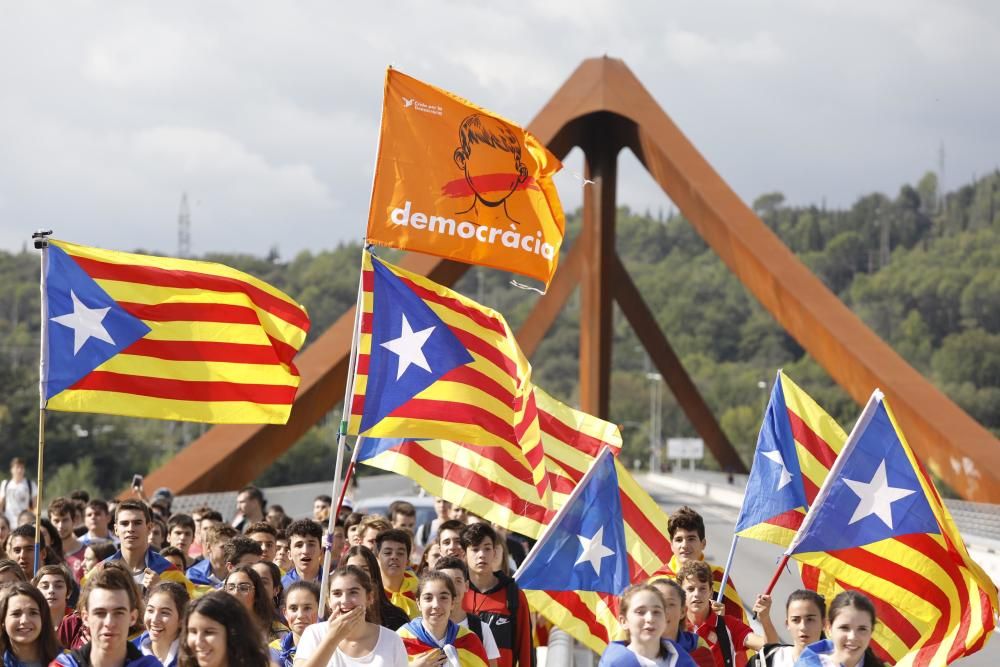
496, 599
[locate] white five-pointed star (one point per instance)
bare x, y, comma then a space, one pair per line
594, 550
86, 323
786, 477
409, 347
876, 496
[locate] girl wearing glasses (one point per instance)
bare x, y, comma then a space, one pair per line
245, 585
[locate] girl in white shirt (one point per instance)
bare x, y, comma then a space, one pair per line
351, 637
804, 613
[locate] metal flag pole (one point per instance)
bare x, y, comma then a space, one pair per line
41, 242
340, 486
725, 572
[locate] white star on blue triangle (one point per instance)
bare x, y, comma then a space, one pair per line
877, 495
86, 326
775, 483
585, 550
412, 348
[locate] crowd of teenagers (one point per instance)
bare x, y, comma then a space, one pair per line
133, 583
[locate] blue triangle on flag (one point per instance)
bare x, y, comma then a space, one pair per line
775, 484
369, 448
585, 549
86, 327
876, 496
412, 348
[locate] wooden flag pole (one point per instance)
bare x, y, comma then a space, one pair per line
41, 242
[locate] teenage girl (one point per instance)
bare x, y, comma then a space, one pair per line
166, 607
642, 613
433, 639
26, 635
849, 626
352, 636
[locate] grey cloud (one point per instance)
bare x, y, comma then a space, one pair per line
267, 114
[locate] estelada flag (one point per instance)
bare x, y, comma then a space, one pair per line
460, 182
143, 336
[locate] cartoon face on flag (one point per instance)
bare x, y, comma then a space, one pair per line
457, 181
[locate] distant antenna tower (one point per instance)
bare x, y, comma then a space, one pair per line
184, 228
940, 184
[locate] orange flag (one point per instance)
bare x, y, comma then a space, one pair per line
459, 182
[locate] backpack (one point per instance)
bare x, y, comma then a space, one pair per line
475, 624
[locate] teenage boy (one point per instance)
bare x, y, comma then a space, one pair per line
61, 516
458, 572
428, 531
449, 539
728, 637
371, 526
132, 522
496, 598
403, 516
282, 552
687, 539
241, 550
205, 519
96, 518
250, 507
180, 532
321, 508
304, 539
21, 548
266, 536
392, 549
209, 573
108, 607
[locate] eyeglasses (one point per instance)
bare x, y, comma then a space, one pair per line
241, 588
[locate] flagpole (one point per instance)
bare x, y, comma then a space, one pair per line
41, 242
338, 486
831, 478
736, 537
725, 572
577, 490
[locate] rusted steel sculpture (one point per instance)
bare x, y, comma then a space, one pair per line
603, 108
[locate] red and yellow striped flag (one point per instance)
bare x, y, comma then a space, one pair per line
435, 364
499, 486
145, 336
929, 595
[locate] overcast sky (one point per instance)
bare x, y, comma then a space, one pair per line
266, 113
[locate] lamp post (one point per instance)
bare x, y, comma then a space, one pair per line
655, 420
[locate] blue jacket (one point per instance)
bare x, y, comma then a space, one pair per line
200, 574
687, 641
81, 658
618, 655
293, 575
144, 644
